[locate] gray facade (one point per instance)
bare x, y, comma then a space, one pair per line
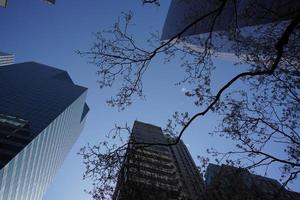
6, 58
43, 107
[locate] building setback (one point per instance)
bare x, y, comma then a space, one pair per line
6, 58
157, 172
42, 113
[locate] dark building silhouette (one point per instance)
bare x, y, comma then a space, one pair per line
42, 113
228, 183
157, 172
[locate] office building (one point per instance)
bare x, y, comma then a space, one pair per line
42, 113
6, 58
156, 172
227, 183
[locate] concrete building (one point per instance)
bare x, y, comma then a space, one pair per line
42, 113
157, 172
6, 59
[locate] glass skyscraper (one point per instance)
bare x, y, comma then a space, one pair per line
42, 113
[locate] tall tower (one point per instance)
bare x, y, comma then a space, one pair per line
153, 172
42, 113
6, 58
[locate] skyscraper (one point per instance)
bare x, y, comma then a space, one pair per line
6, 58
42, 113
157, 172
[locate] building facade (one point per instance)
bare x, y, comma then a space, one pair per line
159, 171
42, 113
6, 58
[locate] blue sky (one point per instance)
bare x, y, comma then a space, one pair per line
35, 31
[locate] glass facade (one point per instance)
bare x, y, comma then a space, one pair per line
28, 174
53, 109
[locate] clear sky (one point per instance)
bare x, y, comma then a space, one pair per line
35, 31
